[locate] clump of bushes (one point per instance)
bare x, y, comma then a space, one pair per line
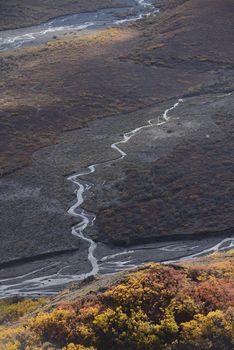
156, 308
13, 309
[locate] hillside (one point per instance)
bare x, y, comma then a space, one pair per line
184, 306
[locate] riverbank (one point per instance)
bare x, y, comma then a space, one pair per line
80, 24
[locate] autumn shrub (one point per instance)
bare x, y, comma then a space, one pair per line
63, 326
167, 329
54, 327
212, 331
214, 294
117, 329
73, 346
152, 291
183, 307
12, 310
12, 345
12, 338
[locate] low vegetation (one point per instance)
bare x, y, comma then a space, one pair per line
13, 309
158, 307
164, 197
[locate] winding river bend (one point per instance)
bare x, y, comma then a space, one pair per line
49, 277
88, 219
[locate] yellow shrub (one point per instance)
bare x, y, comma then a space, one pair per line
216, 331
115, 327
183, 308
72, 346
13, 345
54, 326
13, 311
168, 329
